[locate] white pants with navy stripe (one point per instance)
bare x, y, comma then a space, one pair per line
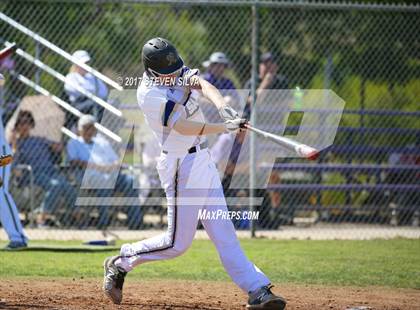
191, 183
9, 215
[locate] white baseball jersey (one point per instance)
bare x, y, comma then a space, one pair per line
158, 103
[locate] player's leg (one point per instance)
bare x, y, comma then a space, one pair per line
242, 271
9, 215
182, 217
222, 233
182, 223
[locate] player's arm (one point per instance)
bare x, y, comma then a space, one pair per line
213, 94
191, 128
172, 118
208, 90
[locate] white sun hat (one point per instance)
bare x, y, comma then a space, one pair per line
84, 120
216, 58
82, 56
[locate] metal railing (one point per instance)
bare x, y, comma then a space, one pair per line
34, 60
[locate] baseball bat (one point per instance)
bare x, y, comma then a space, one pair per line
7, 51
300, 149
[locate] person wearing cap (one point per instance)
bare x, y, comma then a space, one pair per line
216, 66
215, 75
80, 77
41, 154
98, 166
268, 76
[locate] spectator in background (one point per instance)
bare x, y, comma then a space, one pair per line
216, 67
226, 154
80, 77
268, 78
98, 163
215, 74
407, 202
41, 155
9, 104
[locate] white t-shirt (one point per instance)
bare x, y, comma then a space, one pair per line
99, 152
88, 82
158, 104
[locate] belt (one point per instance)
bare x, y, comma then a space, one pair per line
193, 149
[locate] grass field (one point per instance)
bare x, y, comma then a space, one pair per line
390, 263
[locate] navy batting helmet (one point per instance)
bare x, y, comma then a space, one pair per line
161, 57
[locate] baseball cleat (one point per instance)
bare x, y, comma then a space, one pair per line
15, 245
263, 298
113, 279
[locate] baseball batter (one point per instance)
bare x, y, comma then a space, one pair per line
9, 216
168, 98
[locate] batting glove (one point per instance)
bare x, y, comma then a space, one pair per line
227, 113
235, 124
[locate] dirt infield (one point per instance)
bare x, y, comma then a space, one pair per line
158, 294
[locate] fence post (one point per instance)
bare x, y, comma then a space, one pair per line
254, 75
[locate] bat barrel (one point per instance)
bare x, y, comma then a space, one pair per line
300, 149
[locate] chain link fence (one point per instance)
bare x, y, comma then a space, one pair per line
368, 54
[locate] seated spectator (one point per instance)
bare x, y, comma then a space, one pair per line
41, 155
99, 163
407, 202
268, 78
274, 212
80, 77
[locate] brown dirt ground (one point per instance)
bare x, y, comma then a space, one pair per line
173, 294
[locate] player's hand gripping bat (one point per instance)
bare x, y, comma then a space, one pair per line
300, 149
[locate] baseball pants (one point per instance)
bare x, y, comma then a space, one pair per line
191, 183
9, 216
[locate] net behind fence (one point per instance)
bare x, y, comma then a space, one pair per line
367, 55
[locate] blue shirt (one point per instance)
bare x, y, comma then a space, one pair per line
35, 151
220, 83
